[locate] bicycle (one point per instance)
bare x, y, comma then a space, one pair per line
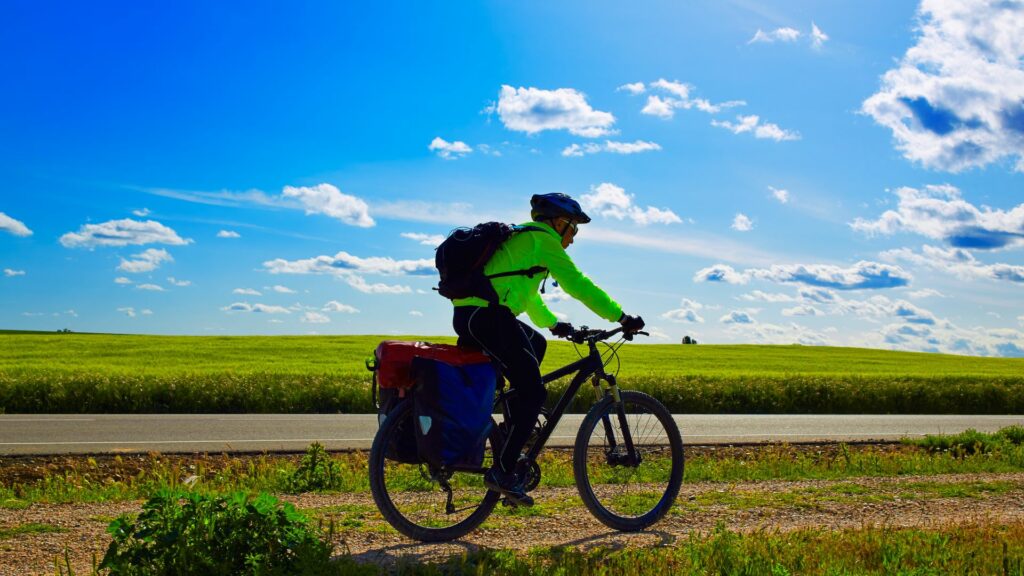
627, 458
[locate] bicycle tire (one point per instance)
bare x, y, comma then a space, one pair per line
382, 496
585, 453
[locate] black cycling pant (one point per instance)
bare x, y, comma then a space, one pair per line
519, 350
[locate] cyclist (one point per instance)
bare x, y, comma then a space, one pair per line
518, 348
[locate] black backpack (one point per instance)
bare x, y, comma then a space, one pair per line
460, 260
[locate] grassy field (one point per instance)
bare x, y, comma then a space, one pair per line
127, 373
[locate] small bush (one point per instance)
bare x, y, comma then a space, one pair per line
190, 533
316, 471
971, 441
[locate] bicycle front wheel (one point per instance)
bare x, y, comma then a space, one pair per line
628, 461
412, 498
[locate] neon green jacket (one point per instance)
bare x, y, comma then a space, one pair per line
520, 293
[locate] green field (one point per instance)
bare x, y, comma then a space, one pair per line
127, 373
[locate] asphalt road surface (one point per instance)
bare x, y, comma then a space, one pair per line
120, 433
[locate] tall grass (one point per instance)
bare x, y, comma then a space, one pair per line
70, 373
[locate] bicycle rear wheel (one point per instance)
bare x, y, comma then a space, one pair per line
628, 490
412, 498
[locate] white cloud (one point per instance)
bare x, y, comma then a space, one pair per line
256, 308
633, 88
127, 311
612, 201
8, 224
742, 223
1021, 319
737, 317
146, 261
818, 38
939, 212
612, 147
449, 150
416, 313
861, 276
779, 194
150, 287
246, 292
762, 333
925, 293
179, 283
122, 280
955, 261
328, 200
425, 239
759, 296
315, 318
10, 272
762, 130
146, 312
802, 310
122, 233
281, 289
228, 234
954, 101
335, 306
141, 213
344, 263
785, 34
678, 97
360, 284
533, 110
553, 294
687, 312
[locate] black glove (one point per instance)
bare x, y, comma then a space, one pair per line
631, 323
562, 330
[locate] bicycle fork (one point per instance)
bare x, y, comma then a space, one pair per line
614, 455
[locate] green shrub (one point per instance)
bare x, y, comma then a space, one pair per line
190, 533
971, 441
316, 471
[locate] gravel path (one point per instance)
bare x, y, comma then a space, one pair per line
565, 521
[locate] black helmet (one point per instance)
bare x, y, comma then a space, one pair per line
557, 205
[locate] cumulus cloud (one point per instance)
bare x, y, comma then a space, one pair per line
416, 313
150, 287
122, 280
533, 110
687, 312
675, 95
956, 261
256, 308
861, 276
779, 194
818, 38
344, 263
179, 283
246, 292
554, 293
146, 261
925, 293
122, 233
328, 200
141, 213
281, 289
16, 227
612, 201
425, 239
335, 306
10, 272
956, 99
785, 34
127, 311
315, 318
633, 88
767, 333
742, 223
737, 317
759, 296
802, 310
360, 284
753, 124
228, 234
940, 212
611, 146
449, 150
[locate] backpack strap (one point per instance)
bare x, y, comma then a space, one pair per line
529, 272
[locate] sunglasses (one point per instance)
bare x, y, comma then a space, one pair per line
571, 224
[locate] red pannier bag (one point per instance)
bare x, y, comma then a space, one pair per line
392, 381
394, 358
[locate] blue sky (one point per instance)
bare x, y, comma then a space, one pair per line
843, 173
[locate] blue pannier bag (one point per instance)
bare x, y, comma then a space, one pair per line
452, 409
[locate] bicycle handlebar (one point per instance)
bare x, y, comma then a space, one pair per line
587, 335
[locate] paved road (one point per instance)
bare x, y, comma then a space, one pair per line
110, 433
